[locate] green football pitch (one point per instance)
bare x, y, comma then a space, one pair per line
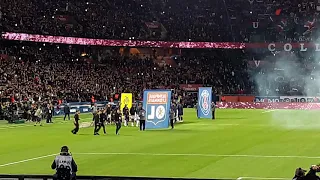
251, 144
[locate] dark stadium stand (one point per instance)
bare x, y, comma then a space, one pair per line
195, 20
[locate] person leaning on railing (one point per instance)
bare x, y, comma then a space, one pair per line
64, 165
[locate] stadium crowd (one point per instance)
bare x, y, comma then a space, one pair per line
43, 71
60, 71
194, 20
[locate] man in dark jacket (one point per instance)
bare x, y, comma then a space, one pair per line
96, 120
117, 120
48, 114
126, 114
180, 112
76, 122
171, 115
142, 119
132, 114
66, 110
213, 106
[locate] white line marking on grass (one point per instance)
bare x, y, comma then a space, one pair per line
267, 111
14, 126
199, 155
27, 160
241, 178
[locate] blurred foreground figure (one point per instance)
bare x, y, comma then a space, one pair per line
64, 165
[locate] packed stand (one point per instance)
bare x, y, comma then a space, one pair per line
51, 71
179, 20
274, 20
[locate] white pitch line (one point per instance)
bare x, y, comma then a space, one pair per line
27, 160
199, 155
266, 178
14, 127
159, 154
269, 111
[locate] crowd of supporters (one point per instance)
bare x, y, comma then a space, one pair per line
179, 20
43, 70
35, 70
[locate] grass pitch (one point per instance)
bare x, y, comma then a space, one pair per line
251, 144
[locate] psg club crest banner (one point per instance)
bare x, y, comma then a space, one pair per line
157, 106
204, 102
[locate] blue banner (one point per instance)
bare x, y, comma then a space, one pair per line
157, 106
267, 99
204, 102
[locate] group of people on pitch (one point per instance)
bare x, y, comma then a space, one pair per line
136, 114
109, 115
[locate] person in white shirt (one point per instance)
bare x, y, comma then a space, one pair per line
38, 116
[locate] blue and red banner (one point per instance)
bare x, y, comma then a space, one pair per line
157, 106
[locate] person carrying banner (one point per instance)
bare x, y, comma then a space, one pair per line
125, 112
197, 109
213, 107
132, 114
172, 117
108, 113
142, 119
180, 112
136, 115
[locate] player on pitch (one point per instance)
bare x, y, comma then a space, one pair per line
76, 122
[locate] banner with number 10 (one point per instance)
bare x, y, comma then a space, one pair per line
157, 106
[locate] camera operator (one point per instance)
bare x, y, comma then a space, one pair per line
64, 165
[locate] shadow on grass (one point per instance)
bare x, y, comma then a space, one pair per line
105, 135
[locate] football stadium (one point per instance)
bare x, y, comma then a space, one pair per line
159, 89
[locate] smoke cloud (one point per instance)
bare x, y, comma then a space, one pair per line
295, 74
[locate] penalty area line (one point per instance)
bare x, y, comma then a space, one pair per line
199, 155
27, 160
